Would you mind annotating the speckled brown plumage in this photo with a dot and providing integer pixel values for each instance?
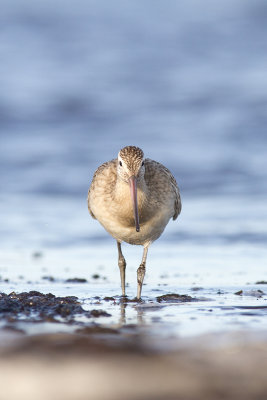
(132, 156)
(109, 200)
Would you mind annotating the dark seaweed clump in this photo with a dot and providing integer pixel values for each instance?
(76, 280)
(34, 306)
(175, 298)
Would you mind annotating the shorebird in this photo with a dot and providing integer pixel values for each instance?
(133, 198)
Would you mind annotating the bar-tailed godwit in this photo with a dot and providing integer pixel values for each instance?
(133, 198)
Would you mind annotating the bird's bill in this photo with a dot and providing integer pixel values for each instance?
(133, 190)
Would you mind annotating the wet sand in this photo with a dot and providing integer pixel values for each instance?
(84, 359)
(95, 366)
(65, 332)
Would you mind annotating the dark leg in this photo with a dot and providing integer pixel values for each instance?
(122, 266)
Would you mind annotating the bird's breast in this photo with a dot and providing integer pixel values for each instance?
(119, 221)
(114, 211)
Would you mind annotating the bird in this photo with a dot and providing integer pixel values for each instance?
(133, 198)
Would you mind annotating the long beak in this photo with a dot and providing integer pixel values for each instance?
(133, 190)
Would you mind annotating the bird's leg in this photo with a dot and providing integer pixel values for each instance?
(122, 266)
(141, 273)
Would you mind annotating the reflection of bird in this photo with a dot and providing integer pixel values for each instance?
(134, 199)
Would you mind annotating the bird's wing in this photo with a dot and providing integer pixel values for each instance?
(97, 175)
(177, 201)
(90, 211)
(150, 170)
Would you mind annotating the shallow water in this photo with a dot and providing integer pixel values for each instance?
(190, 88)
(211, 276)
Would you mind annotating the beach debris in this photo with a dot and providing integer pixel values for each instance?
(37, 254)
(34, 306)
(99, 313)
(107, 298)
(48, 278)
(196, 288)
(254, 293)
(76, 280)
(175, 298)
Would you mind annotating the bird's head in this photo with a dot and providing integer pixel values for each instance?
(131, 169)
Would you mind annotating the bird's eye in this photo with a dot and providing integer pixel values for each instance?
(120, 163)
(143, 163)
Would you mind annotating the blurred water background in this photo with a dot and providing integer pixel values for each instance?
(184, 80)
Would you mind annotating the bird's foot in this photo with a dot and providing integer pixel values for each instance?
(123, 299)
(137, 300)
